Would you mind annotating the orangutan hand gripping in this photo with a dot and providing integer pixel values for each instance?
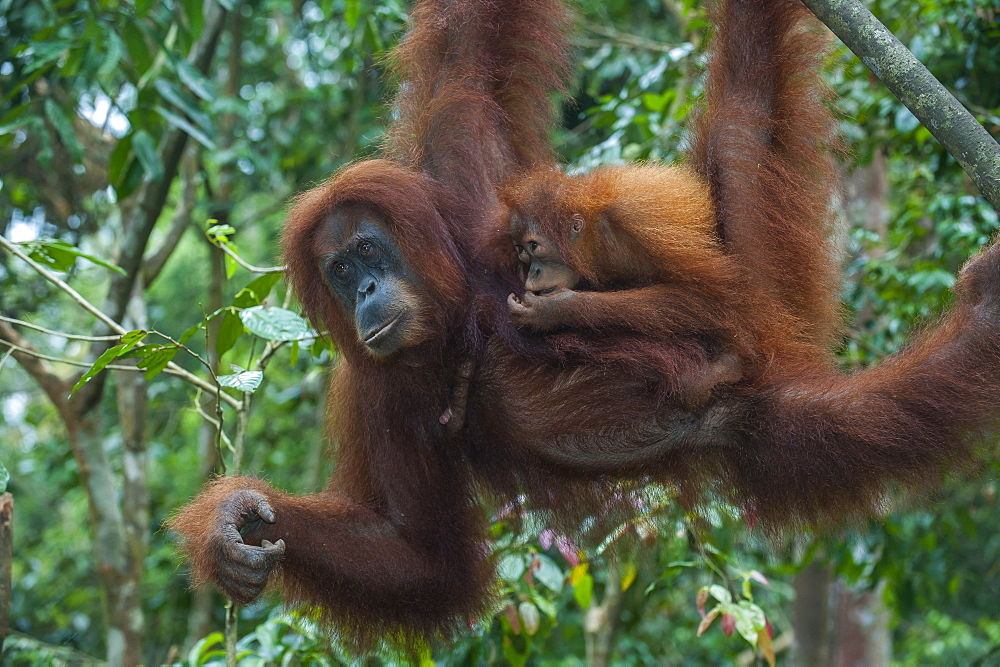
(242, 568)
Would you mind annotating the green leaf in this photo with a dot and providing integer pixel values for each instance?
(274, 323)
(12, 120)
(134, 337)
(230, 330)
(256, 291)
(74, 59)
(749, 620)
(109, 355)
(657, 103)
(119, 160)
(53, 256)
(145, 152)
(263, 285)
(720, 593)
(511, 567)
(157, 360)
(545, 605)
(4, 477)
(62, 256)
(185, 126)
(231, 265)
(319, 345)
(195, 12)
(170, 93)
(219, 233)
(112, 49)
(584, 591)
(352, 12)
(549, 574)
(245, 381)
(138, 49)
(200, 651)
(45, 54)
(194, 80)
(63, 127)
(186, 336)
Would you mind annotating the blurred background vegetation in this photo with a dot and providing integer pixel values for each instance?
(128, 128)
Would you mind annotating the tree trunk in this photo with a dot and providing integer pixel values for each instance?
(115, 569)
(867, 189)
(861, 630)
(810, 620)
(132, 403)
(601, 620)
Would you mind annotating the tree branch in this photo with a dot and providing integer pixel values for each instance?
(171, 368)
(928, 100)
(156, 260)
(60, 334)
(626, 39)
(34, 365)
(247, 265)
(55, 280)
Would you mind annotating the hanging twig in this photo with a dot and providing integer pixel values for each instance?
(248, 265)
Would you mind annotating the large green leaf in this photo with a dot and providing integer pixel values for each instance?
(244, 380)
(276, 324)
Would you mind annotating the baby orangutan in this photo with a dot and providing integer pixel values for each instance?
(622, 265)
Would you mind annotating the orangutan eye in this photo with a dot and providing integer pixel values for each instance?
(366, 249)
(533, 245)
(340, 269)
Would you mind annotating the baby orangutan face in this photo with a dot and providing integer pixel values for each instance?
(547, 276)
(544, 269)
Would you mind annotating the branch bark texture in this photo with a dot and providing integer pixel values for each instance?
(908, 79)
(6, 558)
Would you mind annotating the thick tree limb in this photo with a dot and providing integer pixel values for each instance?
(157, 259)
(928, 100)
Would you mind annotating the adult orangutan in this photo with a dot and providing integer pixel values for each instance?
(382, 257)
(397, 259)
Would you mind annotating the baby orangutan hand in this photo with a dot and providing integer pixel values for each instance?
(541, 312)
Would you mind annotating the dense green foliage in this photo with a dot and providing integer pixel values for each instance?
(90, 92)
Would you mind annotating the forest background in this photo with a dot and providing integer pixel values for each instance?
(147, 151)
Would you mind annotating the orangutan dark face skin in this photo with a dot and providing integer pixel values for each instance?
(370, 278)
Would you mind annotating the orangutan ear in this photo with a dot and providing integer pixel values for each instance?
(576, 225)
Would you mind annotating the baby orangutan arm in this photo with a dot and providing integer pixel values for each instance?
(657, 309)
